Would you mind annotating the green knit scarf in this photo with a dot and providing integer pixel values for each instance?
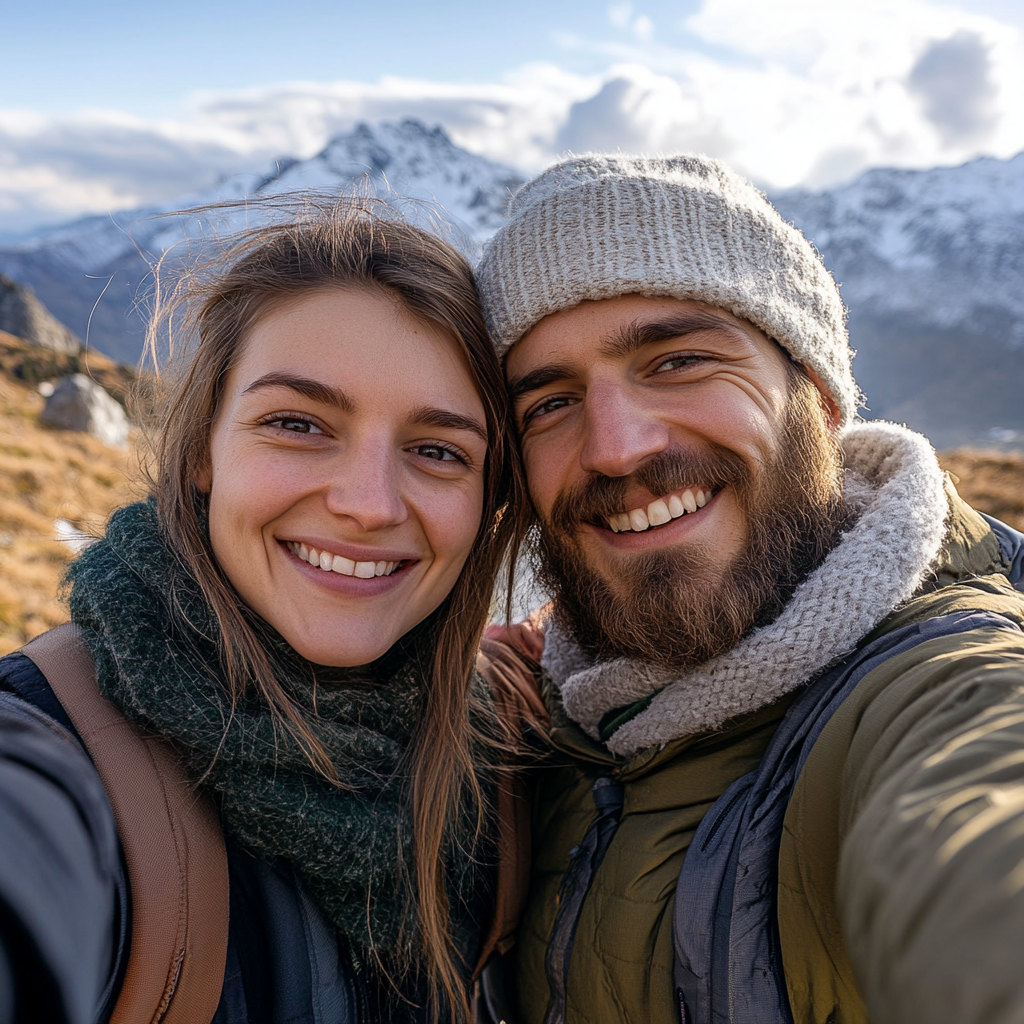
(155, 643)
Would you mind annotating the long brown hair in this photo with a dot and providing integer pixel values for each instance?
(349, 244)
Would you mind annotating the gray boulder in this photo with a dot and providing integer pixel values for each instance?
(23, 315)
(78, 403)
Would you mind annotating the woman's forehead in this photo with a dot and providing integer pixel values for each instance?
(362, 343)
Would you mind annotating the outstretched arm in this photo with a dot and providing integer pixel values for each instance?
(58, 873)
(931, 879)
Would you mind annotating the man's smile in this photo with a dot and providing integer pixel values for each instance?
(660, 511)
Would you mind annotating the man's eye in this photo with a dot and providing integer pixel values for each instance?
(548, 405)
(680, 362)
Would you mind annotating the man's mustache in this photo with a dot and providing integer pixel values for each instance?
(597, 497)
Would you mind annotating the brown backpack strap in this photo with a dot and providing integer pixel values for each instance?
(173, 846)
(510, 674)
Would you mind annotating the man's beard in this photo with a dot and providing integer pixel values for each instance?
(679, 607)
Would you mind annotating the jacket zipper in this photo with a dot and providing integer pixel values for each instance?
(584, 861)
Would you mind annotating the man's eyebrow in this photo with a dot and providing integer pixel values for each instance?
(631, 337)
(623, 342)
(306, 386)
(539, 378)
(431, 417)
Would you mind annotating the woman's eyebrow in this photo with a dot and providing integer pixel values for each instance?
(429, 416)
(313, 389)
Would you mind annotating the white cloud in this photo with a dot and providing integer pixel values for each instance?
(812, 91)
(789, 91)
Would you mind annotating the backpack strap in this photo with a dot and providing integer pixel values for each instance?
(173, 848)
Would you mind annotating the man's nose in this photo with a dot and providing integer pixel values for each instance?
(621, 431)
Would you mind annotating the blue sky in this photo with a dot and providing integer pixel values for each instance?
(112, 105)
(60, 56)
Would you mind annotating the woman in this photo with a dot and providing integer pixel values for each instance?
(295, 610)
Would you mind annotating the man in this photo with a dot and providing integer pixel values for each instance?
(784, 661)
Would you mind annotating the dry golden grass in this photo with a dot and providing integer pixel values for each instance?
(992, 482)
(49, 474)
(44, 475)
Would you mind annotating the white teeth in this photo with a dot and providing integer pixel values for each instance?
(340, 564)
(344, 566)
(638, 520)
(658, 513)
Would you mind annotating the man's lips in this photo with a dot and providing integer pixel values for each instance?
(682, 529)
(660, 511)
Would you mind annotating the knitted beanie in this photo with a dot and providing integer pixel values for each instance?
(687, 227)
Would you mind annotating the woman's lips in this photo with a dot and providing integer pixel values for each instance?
(330, 562)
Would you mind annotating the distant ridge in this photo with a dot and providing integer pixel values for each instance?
(931, 264)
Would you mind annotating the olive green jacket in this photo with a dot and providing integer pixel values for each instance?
(901, 869)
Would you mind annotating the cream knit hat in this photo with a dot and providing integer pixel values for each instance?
(595, 227)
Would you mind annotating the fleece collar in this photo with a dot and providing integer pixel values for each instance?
(895, 487)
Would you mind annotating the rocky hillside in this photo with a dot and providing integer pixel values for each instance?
(45, 476)
(992, 482)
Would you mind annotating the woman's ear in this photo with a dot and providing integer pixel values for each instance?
(830, 407)
(203, 479)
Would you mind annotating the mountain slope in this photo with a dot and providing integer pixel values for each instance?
(93, 274)
(931, 265)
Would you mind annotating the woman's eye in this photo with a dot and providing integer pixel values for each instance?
(438, 453)
(293, 424)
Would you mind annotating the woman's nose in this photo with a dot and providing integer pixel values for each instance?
(366, 487)
(621, 431)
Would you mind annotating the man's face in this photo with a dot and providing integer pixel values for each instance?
(686, 475)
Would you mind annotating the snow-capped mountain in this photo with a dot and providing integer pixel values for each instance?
(419, 170)
(952, 237)
(931, 264)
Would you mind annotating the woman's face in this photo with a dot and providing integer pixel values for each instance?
(346, 473)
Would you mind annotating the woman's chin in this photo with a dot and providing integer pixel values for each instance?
(327, 651)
